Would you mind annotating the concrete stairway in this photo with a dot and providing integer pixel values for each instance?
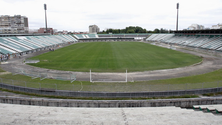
(215, 109)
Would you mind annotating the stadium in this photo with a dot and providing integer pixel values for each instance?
(112, 68)
(132, 78)
(28, 72)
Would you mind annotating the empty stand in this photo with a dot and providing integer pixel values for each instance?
(91, 35)
(20, 44)
(84, 36)
(79, 36)
(209, 42)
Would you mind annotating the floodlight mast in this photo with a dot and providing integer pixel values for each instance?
(177, 16)
(45, 18)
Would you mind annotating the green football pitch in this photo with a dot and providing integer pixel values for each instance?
(114, 57)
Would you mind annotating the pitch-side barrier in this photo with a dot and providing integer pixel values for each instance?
(45, 75)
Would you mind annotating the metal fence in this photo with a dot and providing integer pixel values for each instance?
(41, 91)
(31, 61)
(43, 75)
(113, 87)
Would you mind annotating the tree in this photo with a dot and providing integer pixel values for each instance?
(156, 31)
(133, 29)
(130, 31)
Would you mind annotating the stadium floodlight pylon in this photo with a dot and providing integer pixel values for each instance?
(45, 8)
(177, 16)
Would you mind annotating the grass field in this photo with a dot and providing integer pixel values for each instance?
(114, 57)
(208, 80)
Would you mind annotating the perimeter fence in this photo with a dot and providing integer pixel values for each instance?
(44, 74)
(112, 87)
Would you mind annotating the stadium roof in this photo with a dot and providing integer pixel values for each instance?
(210, 31)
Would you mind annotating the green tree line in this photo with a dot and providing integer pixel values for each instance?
(133, 29)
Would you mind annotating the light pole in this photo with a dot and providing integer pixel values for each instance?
(45, 18)
(177, 16)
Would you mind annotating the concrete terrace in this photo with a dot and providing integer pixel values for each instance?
(26, 115)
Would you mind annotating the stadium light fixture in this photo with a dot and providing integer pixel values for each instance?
(177, 16)
(45, 18)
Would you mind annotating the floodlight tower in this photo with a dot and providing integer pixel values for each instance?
(45, 18)
(177, 16)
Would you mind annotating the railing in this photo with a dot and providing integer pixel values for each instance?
(78, 86)
(52, 92)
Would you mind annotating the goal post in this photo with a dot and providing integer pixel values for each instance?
(126, 75)
(90, 77)
(104, 78)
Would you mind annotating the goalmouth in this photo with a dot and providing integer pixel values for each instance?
(103, 79)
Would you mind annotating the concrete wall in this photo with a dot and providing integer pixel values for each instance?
(108, 94)
(184, 103)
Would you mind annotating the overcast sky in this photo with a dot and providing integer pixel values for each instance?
(77, 15)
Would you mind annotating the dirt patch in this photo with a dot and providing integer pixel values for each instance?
(4, 73)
